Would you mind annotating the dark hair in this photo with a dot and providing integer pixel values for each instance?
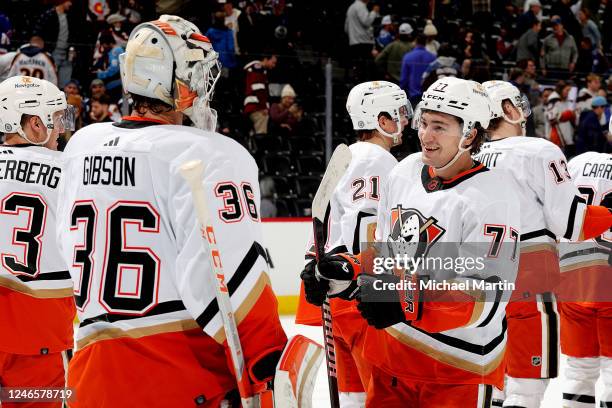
(142, 104)
(515, 73)
(421, 39)
(107, 38)
(522, 64)
(364, 135)
(103, 99)
(24, 119)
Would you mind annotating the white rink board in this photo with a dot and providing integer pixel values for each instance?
(286, 244)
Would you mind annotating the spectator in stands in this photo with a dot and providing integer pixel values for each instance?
(560, 118)
(414, 64)
(32, 60)
(53, 26)
(116, 22)
(386, 34)
(286, 114)
(445, 65)
(389, 61)
(504, 44)
(256, 92)
(222, 39)
(538, 113)
(231, 21)
(529, 17)
(358, 27)
(589, 28)
(107, 68)
(250, 22)
(586, 94)
(559, 52)
(591, 135)
(431, 32)
(72, 87)
(99, 109)
(268, 191)
(528, 46)
(563, 10)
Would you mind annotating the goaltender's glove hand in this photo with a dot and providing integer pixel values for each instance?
(382, 306)
(341, 271)
(315, 289)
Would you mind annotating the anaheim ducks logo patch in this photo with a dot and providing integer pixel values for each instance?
(412, 233)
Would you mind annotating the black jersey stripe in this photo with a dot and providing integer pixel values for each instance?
(356, 237)
(584, 252)
(49, 276)
(572, 216)
(241, 273)
(586, 399)
(536, 234)
(160, 308)
(553, 338)
(477, 349)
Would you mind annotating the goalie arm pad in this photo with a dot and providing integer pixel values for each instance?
(597, 220)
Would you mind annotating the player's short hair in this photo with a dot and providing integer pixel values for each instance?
(24, 119)
(364, 135)
(142, 104)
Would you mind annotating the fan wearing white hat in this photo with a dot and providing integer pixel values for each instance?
(36, 300)
(286, 114)
(389, 60)
(387, 32)
(430, 31)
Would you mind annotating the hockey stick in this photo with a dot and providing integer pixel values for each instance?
(336, 168)
(192, 172)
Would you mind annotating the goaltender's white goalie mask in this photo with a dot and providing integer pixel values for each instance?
(170, 60)
(21, 95)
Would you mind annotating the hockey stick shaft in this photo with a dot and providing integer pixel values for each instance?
(319, 230)
(193, 172)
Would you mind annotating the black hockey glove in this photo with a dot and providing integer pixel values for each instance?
(315, 289)
(381, 308)
(340, 270)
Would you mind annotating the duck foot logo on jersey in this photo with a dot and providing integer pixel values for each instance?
(412, 233)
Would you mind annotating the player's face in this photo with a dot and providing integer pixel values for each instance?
(439, 135)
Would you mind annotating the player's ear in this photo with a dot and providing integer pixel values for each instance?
(470, 138)
(510, 111)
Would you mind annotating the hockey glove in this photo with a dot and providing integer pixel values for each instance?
(383, 304)
(315, 289)
(341, 271)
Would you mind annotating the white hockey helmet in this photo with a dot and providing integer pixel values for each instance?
(464, 99)
(366, 101)
(21, 95)
(498, 92)
(170, 60)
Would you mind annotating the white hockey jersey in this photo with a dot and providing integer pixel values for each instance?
(586, 267)
(33, 61)
(36, 304)
(551, 207)
(129, 230)
(462, 340)
(352, 216)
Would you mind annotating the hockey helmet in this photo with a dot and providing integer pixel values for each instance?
(498, 92)
(21, 95)
(366, 101)
(464, 99)
(170, 60)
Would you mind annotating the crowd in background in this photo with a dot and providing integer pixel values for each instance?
(273, 52)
